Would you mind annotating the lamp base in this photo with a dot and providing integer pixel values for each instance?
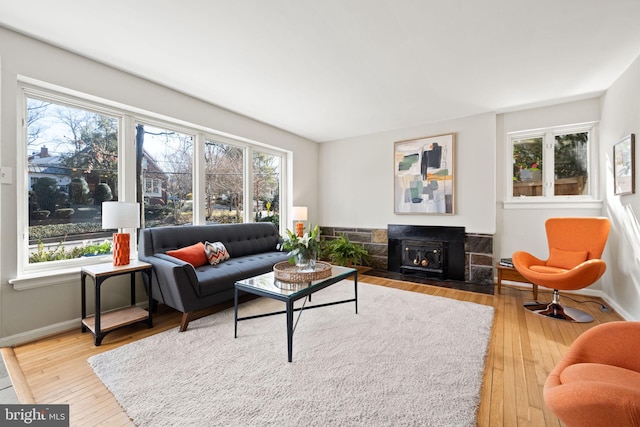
(299, 229)
(121, 248)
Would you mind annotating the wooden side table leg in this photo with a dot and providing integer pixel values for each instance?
(499, 280)
(535, 292)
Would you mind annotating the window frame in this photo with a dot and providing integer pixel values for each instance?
(548, 135)
(33, 275)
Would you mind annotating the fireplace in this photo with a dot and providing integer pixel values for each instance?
(428, 251)
(424, 257)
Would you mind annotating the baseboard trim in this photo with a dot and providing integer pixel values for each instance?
(36, 334)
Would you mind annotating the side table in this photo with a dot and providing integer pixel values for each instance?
(102, 323)
(510, 273)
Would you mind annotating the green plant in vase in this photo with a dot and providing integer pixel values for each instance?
(303, 250)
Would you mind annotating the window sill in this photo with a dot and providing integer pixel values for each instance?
(537, 203)
(51, 277)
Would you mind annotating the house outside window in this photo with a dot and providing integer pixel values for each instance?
(78, 154)
(72, 167)
(552, 164)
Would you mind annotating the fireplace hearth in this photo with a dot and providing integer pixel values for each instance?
(427, 251)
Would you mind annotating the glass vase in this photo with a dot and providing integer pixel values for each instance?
(306, 262)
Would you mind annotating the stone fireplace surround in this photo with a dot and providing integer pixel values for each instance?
(478, 250)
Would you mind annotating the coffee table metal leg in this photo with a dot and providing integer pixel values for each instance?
(290, 330)
(355, 288)
(235, 314)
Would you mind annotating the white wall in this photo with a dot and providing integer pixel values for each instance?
(356, 185)
(22, 312)
(620, 116)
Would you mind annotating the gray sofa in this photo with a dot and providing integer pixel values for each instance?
(252, 248)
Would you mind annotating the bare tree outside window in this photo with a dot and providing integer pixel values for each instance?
(224, 182)
(266, 187)
(166, 159)
(72, 165)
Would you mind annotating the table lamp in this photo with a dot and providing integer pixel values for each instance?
(120, 215)
(299, 214)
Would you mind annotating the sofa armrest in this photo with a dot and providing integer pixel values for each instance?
(176, 280)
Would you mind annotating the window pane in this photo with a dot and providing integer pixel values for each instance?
(266, 188)
(165, 161)
(571, 154)
(72, 164)
(527, 167)
(224, 182)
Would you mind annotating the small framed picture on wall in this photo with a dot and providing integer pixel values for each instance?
(624, 166)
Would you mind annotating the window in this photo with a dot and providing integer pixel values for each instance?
(78, 153)
(552, 163)
(72, 167)
(224, 182)
(166, 159)
(152, 188)
(266, 187)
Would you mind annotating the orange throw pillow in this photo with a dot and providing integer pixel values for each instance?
(193, 254)
(566, 259)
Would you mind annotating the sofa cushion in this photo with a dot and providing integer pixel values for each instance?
(216, 252)
(212, 279)
(239, 239)
(566, 259)
(194, 254)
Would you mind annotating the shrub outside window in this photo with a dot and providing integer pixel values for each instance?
(552, 163)
(72, 167)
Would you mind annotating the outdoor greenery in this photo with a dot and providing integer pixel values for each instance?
(47, 194)
(570, 151)
(570, 155)
(527, 155)
(41, 232)
(342, 251)
(59, 252)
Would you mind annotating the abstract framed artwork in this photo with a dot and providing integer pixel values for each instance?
(424, 172)
(624, 166)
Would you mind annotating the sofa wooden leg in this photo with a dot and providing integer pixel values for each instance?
(186, 318)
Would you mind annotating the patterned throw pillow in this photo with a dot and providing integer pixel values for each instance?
(216, 252)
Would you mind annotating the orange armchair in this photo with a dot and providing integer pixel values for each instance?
(597, 382)
(575, 248)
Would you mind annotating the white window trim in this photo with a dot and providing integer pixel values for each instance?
(57, 272)
(547, 201)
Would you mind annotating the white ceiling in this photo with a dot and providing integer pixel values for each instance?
(332, 69)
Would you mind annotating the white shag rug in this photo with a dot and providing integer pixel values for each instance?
(406, 359)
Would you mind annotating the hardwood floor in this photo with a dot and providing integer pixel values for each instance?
(524, 348)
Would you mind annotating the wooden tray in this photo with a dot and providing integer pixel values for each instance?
(287, 272)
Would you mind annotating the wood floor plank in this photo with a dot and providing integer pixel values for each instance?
(524, 347)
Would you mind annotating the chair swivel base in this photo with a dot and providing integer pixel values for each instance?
(557, 311)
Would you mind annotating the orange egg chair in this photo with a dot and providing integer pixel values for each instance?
(575, 248)
(597, 382)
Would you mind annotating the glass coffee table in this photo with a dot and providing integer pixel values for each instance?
(266, 285)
